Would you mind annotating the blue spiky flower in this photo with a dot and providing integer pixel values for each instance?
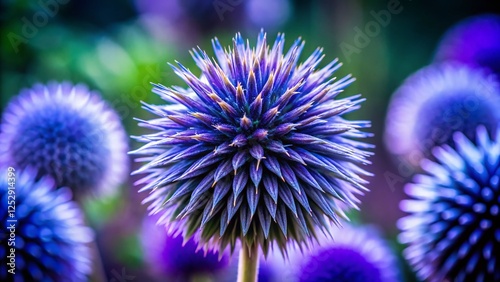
(48, 235)
(67, 132)
(170, 257)
(474, 41)
(453, 229)
(435, 102)
(256, 149)
(356, 254)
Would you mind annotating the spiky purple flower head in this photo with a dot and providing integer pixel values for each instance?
(474, 41)
(67, 132)
(435, 102)
(256, 149)
(169, 256)
(48, 235)
(453, 229)
(356, 254)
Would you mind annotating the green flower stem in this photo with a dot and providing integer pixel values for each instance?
(249, 264)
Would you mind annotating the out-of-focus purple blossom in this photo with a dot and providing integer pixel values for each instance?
(45, 230)
(453, 230)
(435, 102)
(474, 41)
(169, 257)
(353, 254)
(67, 132)
(256, 150)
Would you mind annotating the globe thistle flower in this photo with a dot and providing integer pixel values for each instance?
(453, 229)
(50, 240)
(356, 254)
(67, 132)
(255, 150)
(168, 256)
(435, 102)
(474, 41)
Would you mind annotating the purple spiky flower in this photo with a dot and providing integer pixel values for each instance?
(453, 231)
(474, 41)
(45, 230)
(435, 102)
(356, 254)
(67, 132)
(170, 257)
(256, 149)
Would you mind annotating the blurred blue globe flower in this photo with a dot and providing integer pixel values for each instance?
(169, 257)
(355, 254)
(453, 229)
(435, 102)
(474, 41)
(256, 149)
(67, 132)
(266, 273)
(50, 238)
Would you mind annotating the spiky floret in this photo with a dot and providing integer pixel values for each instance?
(453, 229)
(474, 41)
(67, 132)
(49, 237)
(256, 149)
(356, 254)
(435, 102)
(171, 258)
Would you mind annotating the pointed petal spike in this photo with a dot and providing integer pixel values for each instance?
(271, 185)
(239, 182)
(239, 159)
(272, 164)
(265, 221)
(287, 197)
(271, 206)
(289, 176)
(220, 191)
(245, 219)
(255, 173)
(253, 199)
(281, 218)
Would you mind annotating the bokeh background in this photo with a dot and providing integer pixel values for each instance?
(119, 46)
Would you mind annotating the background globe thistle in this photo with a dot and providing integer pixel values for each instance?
(453, 229)
(356, 254)
(474, 41)
(50, 238)
(66, 132)
(436, 101)
(256, 149)
(169, 257)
